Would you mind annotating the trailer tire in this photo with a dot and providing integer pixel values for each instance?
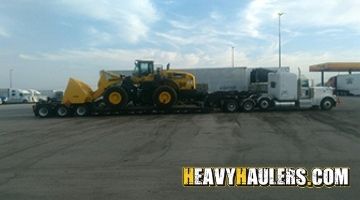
(248, 105)
(265, 104)
(231, 106)
(62, 111)
(116, 97)
(326, 104)
(43, 111)
(164, 97)
(82, 110)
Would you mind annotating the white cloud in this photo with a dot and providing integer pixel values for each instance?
(115, 57)
(252, 17)
(132, 18)
(216, 15)
(301, 14)
(173, 38)
(4, 32)
(99, 37)
(122, 58)
(181, 25)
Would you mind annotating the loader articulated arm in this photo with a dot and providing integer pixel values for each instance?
(106, 79)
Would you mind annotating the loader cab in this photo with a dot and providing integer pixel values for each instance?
(143, 68)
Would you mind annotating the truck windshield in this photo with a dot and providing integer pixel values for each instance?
(304, 83)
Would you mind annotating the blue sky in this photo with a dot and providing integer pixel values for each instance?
(46, 42)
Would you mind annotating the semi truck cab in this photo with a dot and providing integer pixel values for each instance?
(285, 89)
(22, 96)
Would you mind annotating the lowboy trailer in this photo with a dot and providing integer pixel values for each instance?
(150, 92)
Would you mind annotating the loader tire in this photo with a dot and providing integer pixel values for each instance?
(164, 97)
(116, 97)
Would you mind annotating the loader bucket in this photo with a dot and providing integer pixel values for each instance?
(77, 92)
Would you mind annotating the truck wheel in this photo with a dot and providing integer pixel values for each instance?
(62, 111)
(248, 105)
(164, 97)
(43, 111)
(326, 104)
(264, 104)
(116, 97)
(82, 110)
(231, 106)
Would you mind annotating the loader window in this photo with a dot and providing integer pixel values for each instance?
(143, 68)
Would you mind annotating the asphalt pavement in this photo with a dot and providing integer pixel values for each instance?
(141, 156)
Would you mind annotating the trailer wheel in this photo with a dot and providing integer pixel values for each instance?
(326, 104)
(116, 97)
(264, 104)
(82, 110)
(62, 111)
(231, 106)
(248, 105)
(164, 97)
(43, 111)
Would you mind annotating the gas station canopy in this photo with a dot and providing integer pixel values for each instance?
(336, 67)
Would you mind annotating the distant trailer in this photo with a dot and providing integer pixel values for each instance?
(346, 84)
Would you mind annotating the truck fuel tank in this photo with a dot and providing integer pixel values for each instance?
(285, 103)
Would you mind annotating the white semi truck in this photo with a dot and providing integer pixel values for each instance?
(15, 95)
(285, 89)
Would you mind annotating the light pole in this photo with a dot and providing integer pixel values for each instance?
(10, 77)
(232, 56)
(280, 14)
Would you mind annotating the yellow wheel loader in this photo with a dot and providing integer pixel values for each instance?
(150, 86)
(146, 87)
